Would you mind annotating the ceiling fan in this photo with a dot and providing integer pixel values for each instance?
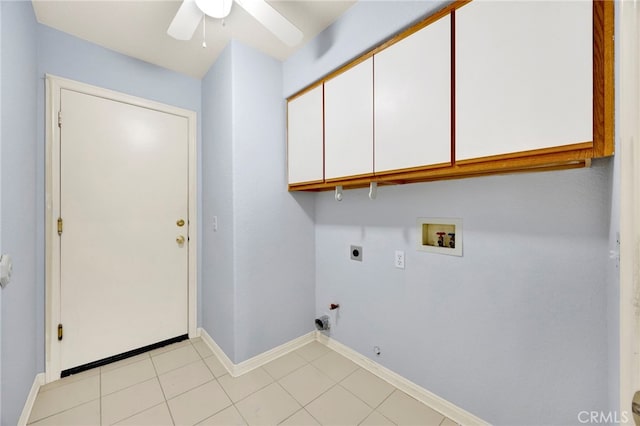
(191, 12)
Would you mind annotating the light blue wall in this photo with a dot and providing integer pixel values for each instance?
(274, 230)
(516, 330)
(218, 279)
(360, 28)
(258, 278)
(66, 56)
(20, 343)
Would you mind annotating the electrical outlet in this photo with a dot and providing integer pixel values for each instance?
(214, 224)
(356, 253)
(399, 259)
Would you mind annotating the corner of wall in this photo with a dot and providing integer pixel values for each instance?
(18, 216)
(267, 219)
(218, 270)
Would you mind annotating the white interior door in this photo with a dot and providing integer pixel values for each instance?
(123, 189)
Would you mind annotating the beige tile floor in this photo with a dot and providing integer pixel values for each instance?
(185, 384)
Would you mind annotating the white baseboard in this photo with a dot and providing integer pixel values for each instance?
(439, 404)
(217, 350)
(31, 399)
(236, 370)
(270, 355)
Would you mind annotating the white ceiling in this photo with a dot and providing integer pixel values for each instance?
(138, 28)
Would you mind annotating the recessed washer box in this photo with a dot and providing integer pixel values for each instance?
(440, 235)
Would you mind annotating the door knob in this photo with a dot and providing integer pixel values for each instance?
(180, 222)
(180, 239)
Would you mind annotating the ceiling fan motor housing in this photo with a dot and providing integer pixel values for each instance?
(215, 8)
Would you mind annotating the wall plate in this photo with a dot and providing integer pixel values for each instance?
(356, 253)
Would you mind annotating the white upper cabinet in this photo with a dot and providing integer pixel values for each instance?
(305, 137)
(413, 100)
(523, 76)
(348, 106)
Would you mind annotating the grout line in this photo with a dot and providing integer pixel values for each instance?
(218, 412)
(233, 404)
(162, 390)
(367, 416)
(76, 379)
(290, 372)
(165, 349)
(322, 393)
(60, 412)
(188, 390)
(354, 394)
(289, 393)
(352, 373)
(293, 414)
(239, 412)
(129, 386)
(116, 369)
(124, 363)
(257, 390)
(183, 365)
(146, 409)
(212, 373)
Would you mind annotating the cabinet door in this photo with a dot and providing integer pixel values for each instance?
(348, 100)
(413, 100)
(305, 137)
(523, 76)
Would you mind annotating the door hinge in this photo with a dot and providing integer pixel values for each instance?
(60, 331)
(59, 226)
(59, 118)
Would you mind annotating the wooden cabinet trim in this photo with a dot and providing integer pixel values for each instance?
(603, 78)
(578, 147)
(305, 90)
(533, 161)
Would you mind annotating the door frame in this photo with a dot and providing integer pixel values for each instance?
(54, 85)
(629, 139)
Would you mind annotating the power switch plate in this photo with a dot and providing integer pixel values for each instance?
(356, 253)
(399, 259)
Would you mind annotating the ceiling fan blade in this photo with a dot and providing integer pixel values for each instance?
(186, 21)
(273, 21)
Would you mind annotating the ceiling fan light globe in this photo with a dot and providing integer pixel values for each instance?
(215, 8)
